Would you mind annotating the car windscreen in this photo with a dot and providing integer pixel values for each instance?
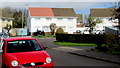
(23, 46)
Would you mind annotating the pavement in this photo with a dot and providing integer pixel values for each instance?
(84, 51)
(98, 55)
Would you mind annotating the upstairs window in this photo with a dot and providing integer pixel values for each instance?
(48, 18)
(9, 20)
(3, 19)
(70, 18)
(59, 18)
(37, 18)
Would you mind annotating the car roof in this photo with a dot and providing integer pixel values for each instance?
(18, 38)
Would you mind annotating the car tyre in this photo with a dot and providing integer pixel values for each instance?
(4, 66)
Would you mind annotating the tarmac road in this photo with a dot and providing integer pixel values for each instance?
(65, 59)
(62, 58)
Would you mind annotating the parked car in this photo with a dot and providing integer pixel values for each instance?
(39, 32)
(78, 31)
(4, 35)
(86, 32)
(25, 52)
(103, 32)
(100, 32)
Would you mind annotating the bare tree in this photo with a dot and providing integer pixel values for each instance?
(52, 28)
(6, 12)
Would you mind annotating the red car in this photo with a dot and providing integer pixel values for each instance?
(24, 52)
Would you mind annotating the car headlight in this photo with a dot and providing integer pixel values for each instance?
(48, 60)
(14, 63)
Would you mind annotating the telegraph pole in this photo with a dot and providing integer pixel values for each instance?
(22, 20)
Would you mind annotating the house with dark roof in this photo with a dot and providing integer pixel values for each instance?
(101, 12)
(105, 14)
(80, 20)
(41, 18)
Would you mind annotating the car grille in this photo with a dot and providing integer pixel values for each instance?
(29, 64)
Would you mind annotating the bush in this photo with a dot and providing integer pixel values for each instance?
(59, 30)
(112, 42)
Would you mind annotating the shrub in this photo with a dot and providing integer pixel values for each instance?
(112, 42)
(59, 30)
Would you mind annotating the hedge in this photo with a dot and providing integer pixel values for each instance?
(80, 38)
(112, 42)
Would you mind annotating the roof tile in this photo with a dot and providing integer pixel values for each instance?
(50, 12)
(36, 11)
(101, 12)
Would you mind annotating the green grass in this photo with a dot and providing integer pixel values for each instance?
(74, 44)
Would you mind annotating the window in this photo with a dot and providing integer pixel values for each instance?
(59, 18)
(9, 20)
(61, 26)
(37, 18)
(48, 18)
(22, 46)
(3, 19)
(70, 18)
(46, 28)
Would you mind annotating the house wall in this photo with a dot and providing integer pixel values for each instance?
(4, 23)
(42, 23)
(0, 25)
(105, 22)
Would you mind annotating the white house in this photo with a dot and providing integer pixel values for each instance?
(41, 18)
(105, 15)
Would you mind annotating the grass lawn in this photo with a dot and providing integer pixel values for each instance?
(74, 44)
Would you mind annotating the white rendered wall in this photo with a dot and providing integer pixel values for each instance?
(70, 25)
(106, 22)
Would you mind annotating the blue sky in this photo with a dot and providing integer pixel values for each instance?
(80, 7)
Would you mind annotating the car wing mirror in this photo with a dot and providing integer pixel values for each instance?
(45, 48)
